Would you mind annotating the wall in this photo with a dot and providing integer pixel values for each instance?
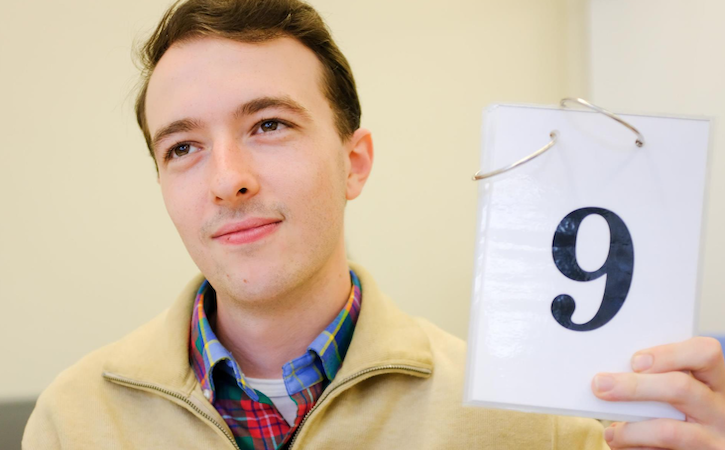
(665, 56)
(87, 252)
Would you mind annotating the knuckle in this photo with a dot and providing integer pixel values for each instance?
(670, 434)
(680, 386)
(635, 390)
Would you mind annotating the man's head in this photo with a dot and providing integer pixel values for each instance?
(254, 21)
(256, 151)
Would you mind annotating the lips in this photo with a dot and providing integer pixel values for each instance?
(246, 231)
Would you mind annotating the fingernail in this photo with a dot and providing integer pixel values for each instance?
(609, 434)
(603, 383)
(642, 362)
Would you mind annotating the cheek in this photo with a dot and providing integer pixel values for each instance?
(328, 193)
(327, 178)
(311, 171)
(313, 189)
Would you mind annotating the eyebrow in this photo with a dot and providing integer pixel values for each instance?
(178, 126)
(245, 109)
(262, 103)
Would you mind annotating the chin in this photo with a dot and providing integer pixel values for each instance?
(254, 282)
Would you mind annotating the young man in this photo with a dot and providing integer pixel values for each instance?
(251, 115)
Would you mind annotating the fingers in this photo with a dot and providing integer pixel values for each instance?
(660, 376)
(676, 388)
(700, 355)
(609, 437)
(662, 433)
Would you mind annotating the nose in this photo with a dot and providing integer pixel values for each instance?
(233, 177)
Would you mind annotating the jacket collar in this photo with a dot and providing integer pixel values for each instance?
(158, 352)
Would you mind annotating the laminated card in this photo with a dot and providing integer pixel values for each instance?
(584, 255)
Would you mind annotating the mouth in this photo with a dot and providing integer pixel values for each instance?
(246, 231)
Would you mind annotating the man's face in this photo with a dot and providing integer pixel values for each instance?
(252, 170)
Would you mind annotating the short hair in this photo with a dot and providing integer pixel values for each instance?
(254, 21)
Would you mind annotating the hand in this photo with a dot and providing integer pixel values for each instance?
(690, 376)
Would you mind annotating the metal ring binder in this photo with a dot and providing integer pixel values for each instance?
(480, 176)
(554, 135)
(640, 139)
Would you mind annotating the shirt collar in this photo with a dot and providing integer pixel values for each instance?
(321, 362)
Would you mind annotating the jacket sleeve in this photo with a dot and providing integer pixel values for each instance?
(578, 433)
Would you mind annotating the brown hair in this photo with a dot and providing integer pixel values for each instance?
(255, 21)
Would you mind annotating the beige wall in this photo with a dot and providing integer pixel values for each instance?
(666, 56)
(86, 250)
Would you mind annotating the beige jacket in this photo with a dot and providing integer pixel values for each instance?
(400, 387)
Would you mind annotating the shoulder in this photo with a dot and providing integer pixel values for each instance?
(443, 342)
(80, 392)
(449, 355)
(81, 401)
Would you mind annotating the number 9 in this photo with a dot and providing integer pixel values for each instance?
(618, 268)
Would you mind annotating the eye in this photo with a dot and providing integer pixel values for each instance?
(269, 125)
(179, 150)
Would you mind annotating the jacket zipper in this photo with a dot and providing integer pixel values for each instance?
(176, 395)
(348, 380)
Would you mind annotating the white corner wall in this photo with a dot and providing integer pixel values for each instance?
(666, 56)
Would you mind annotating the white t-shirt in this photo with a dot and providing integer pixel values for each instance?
(277, 392)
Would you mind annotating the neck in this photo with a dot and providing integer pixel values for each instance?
(263, 339)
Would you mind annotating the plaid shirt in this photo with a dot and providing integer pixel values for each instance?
(251, 415)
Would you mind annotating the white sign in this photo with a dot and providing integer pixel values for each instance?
(584, 255)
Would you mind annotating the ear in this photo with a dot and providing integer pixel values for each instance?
(359, 161)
